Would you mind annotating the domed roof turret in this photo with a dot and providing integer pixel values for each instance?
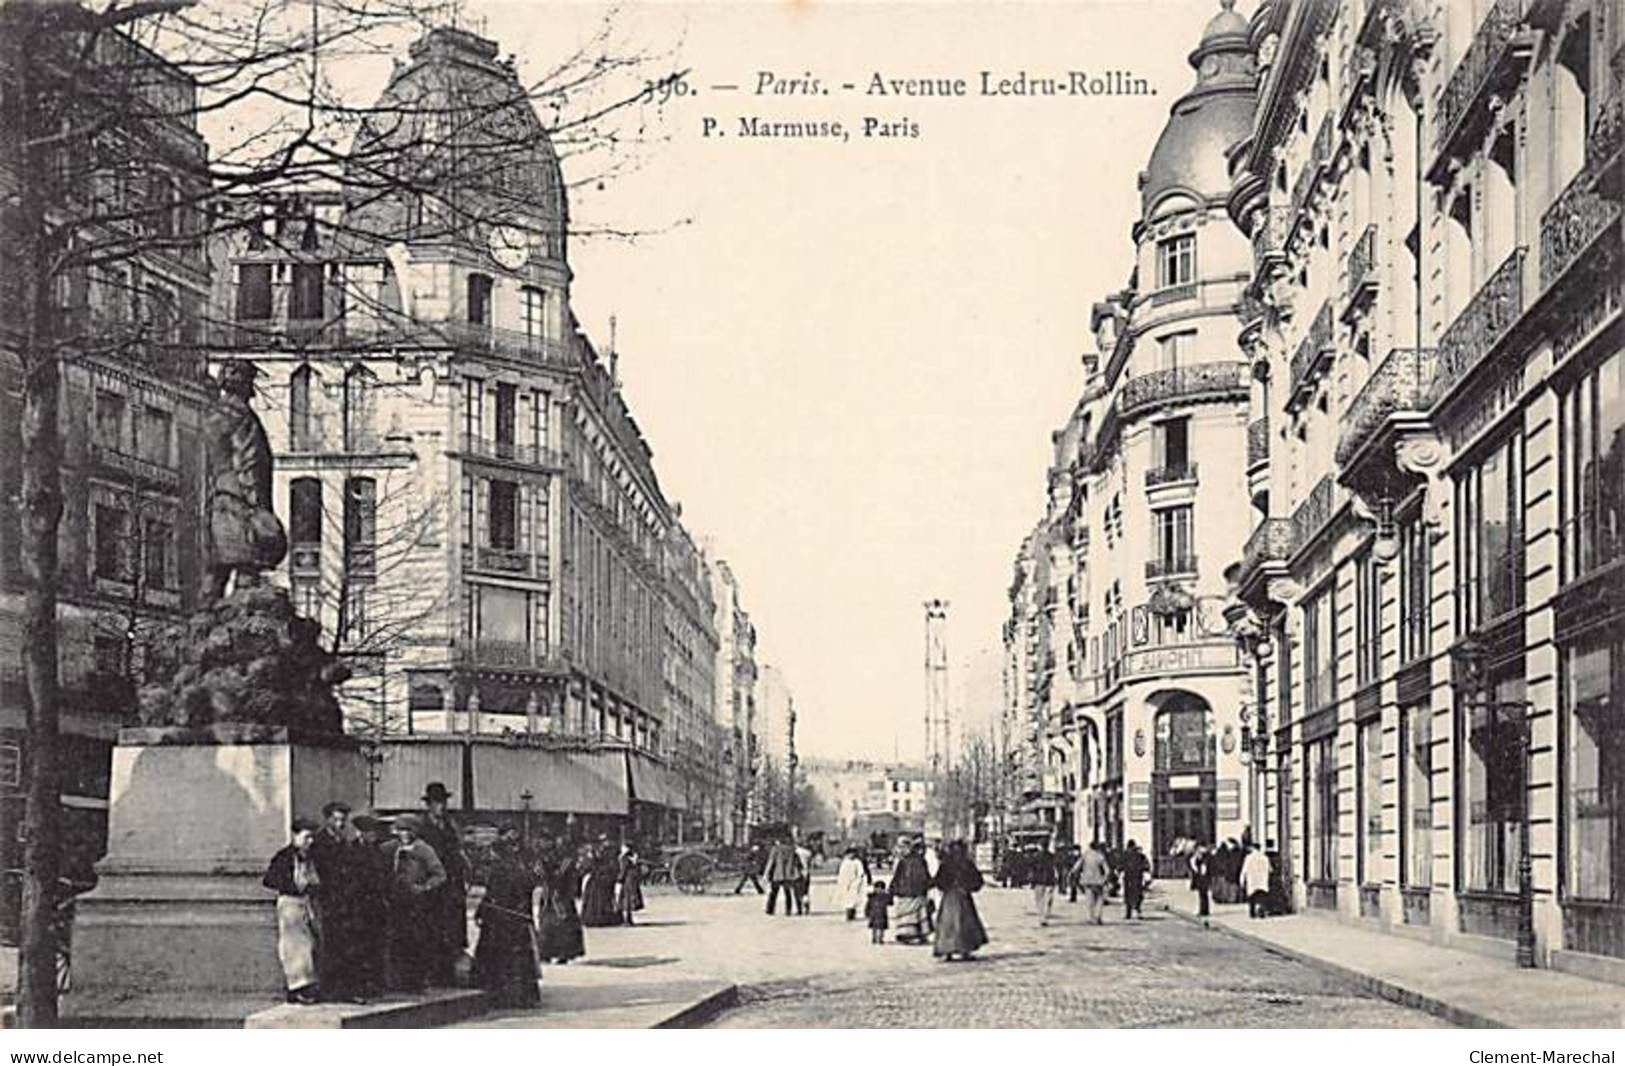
(455, 130)
(1215, 114)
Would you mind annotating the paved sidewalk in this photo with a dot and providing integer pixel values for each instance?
(1460, 986)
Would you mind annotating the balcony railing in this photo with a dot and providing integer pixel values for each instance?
(1271, 542)
(1170, 475)
(502, 560)
(508, 653)
(363, 332)
(1491, 59)
(514, 452)
(1314, 351)
(1313, 513)
(1400, 383)
(1481, 325)
(1173, 294)
(305, 558)
(1182, 383)
(1258, 441)
(1173, 566)
(1572, 225)
(153, 473)
(1363, 267)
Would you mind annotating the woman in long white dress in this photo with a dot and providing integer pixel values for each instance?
(851, 884)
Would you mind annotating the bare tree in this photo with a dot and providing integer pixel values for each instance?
(107, 173)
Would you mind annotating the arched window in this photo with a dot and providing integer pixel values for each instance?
(359, 432)
(1185, 739)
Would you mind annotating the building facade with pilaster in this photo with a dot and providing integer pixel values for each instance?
(1431, 595)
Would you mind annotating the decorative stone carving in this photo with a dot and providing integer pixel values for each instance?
(1284, 590)
(1424, 454)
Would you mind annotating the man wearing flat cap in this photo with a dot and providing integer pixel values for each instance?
(449, 908)
(416, 881)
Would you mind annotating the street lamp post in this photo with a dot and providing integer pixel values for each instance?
(1471, 656)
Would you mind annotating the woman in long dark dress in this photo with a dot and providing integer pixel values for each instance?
(959, 928)
(598, 892)
(561, 936)
(505, 958)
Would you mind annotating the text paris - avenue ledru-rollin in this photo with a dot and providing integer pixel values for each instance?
(1022, 83)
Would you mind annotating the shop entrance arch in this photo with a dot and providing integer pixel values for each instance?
(1184, 793)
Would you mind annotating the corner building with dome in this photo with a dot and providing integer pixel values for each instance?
(473, 512)
(1127, 703)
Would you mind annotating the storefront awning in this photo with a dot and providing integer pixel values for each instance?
(567, 782)
(408, 766)
(655, 783)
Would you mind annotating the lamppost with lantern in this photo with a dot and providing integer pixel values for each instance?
(1471, 656)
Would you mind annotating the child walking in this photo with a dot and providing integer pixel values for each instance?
(875, 909)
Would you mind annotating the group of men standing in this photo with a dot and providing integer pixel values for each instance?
(1089, 871)
(360, 911)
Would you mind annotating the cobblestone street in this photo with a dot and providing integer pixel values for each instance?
(820, 971)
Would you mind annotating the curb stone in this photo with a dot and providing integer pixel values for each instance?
(1386, 989)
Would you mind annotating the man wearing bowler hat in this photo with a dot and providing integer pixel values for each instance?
(448, 909)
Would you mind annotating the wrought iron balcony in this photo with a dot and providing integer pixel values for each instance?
(1491, 62)
(350, 332)
(1170, 475)
(514, 452)
(1400, 383)
(1258, 441)
(1314, 512)
(1571, 226)
(1271, 542)
(1481, 325)
(1313, 354)
(1183, 383)
(146, 471)
(1172, 566)
(1362, 270)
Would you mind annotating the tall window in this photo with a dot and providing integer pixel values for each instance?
(504, 517)
(157, 539)
(360, 524)
(479, 299)
(360, 434)
(305, 301)
(1493, 789)
(1595, 769)
(1170, 445)
(1416, 795)
(533, 308)
(152, 438)
(1176, 349)
(1319, 650)
(305, 511)
(1367, 619)
(1320, 810)
(473, 412)
(1489, 536)
(301, 420)
(1176, 261)
(1368, 756)
(112, 542)
(1415, 591)
(507, 402)
(254, 292)
(1172, 526)
(110, 420)
(538, 419)
(1185, 738)
(1593, 434)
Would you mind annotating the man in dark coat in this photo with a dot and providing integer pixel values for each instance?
(448, 908)
(783, 874)
(336, 852)
(371, 870)
(1135, 868)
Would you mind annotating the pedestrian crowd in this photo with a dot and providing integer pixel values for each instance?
(367, 905)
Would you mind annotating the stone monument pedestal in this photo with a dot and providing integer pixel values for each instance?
(195, 815)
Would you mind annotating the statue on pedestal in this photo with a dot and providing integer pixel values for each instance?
(245, 656)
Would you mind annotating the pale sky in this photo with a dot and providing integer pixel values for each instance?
(850, 363)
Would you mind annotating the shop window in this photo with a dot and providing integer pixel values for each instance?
(1489, 537)
(1320, 811)
(1494, 733)
(1416, 795)
(1185, 738)
(1368, 757)
(1595, 770)
(1593, 452)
